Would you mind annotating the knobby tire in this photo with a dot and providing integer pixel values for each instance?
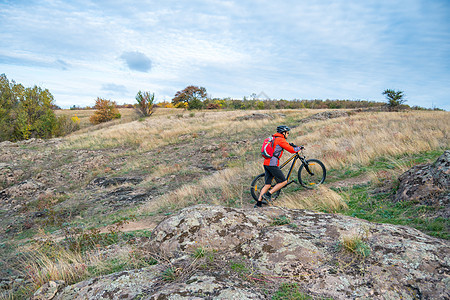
(308, 180)
(258, 183)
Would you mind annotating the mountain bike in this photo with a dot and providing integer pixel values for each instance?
(311, 173)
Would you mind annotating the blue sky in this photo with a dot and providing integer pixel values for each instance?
(347, 49)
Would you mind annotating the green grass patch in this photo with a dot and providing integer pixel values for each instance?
(290, 291)
(239, 267)
(280, 220)
(380, 208)
(169, 274)
(128, 236)
(365, 202)
(26, 234)
(334, 175)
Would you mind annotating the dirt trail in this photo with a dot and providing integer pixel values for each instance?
(362, 179)
(148, 223)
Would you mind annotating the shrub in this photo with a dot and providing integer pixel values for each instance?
(195, 103)
(106, 111)
(213, 106)
(26, 112)
(181, 105)
(67, 125)
(145, 102)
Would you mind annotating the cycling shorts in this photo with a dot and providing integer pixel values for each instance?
(273, 172)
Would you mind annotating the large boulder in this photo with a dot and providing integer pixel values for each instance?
(276, 245)
(146, 283)
(427, 184)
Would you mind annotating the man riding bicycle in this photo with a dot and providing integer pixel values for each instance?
(271, 165)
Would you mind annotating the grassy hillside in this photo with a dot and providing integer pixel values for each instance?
(176, 158)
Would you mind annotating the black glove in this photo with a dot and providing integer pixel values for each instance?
(294, 145)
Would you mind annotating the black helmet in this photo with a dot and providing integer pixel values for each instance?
(282, 128)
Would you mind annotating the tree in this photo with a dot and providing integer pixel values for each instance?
(25, 112)
(35, 117)
(145, 102)
(106, 111)
(28, 113)
(191, 96)
(9, 99)
(394, 98)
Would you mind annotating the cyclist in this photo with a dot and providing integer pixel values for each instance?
(271, 165)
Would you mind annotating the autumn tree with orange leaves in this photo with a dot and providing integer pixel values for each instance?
(191, 97)
(106, 111)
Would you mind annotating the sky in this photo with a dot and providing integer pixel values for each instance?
(315, 49)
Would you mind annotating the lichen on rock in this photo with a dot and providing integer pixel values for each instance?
(403, 262)
(427, 184)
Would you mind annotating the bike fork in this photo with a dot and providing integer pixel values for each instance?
(307, 168)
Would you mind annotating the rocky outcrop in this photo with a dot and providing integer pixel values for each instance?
(325, 115)
(251, 252)
(107, 182)
(260, 116)
(49, 290)
(427, 184)
(147, 284)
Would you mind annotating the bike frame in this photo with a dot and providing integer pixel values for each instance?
(294, 158)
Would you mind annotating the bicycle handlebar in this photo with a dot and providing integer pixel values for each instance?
(300, 152)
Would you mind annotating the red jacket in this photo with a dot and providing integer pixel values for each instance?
(279, 145)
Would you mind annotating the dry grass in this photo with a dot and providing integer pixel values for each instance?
(40, 267)
(219, 188)
(165, 127)
(378, 177)
(49, 261)
(356, 243)
(321, 198)
(357, 139)
(128, 115)
(362, 137)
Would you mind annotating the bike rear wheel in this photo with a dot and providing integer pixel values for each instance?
(315, 176)
(258, 183)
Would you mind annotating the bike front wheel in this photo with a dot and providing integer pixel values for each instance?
(312, 174)
(258, 183)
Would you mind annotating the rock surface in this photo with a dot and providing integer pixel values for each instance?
(49, 290)
(427, 184)
(250, 255)
(325, 115)
(255, 116)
